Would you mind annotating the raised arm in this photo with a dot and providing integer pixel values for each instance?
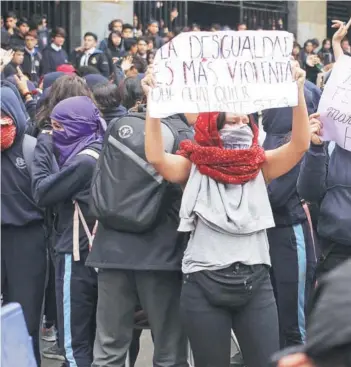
(338, 36)
(311, 184)
(174, 168)
(281, 160)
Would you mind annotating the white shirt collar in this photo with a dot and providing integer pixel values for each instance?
(55, 47)
(90, 52)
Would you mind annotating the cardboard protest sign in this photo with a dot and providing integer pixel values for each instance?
(335, 104)
(226, 71)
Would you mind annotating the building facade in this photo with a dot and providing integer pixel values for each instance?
(306, 19)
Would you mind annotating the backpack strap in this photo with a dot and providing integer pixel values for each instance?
(78, 215)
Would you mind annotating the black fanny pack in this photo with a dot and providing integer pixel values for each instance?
(232, 286)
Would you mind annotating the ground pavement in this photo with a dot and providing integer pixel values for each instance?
(144, 357)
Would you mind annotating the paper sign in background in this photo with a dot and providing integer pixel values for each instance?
(228, 71)
(335, 104)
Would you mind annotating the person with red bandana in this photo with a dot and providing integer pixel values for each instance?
(225, 206)
(23, 235)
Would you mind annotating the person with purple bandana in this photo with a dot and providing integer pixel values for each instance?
(76, 140)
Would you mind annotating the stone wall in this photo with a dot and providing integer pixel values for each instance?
(95, 15)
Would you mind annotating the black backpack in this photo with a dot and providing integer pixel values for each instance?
(127, 192)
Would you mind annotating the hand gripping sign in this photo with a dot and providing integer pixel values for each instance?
(226, 71)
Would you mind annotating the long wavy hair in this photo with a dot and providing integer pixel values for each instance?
(64, 87)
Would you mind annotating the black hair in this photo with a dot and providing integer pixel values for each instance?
(140, 64)
(18, 48)
(22, 21)
(143, 39)
(216, 26)
(315, 42)
(131, 92)
(220, 121)
(107, 95)
(325, 41)
(129, 43)
(58, 32)
(109, 39)
(64, 87)
(127, 26)
(35, 21)
(110, 25)
(91, 34)
(11, 14)
(195, 25)
(86, 70)
(149, 53)
(152, 21)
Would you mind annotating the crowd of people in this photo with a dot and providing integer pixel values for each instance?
(229, 249)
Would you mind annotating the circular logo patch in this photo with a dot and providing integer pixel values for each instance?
(20, 163)
(125, 131)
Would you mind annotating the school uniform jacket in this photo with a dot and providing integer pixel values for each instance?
(97, 59)
(58, 189)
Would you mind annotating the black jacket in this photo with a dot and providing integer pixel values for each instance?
(98, 60)
(32, 65)
(58, 189)
(161, 248)
(17, 40)
(52, 59)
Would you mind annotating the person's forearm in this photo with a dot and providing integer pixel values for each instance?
(300, 135)
(337, 50)
(154, 149)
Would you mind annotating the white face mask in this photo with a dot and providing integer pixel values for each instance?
(236, 136)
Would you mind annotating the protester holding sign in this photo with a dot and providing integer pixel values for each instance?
(239, 72)
(328, 181)
(225, 206)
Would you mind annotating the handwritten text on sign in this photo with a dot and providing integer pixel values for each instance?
(335, 103)
(240, 72)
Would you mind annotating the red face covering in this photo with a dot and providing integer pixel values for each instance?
(8, 132)
(228, 166)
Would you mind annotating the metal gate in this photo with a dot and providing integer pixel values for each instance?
(263, 14)
(160, 11)
(57, 12)
(340, 10)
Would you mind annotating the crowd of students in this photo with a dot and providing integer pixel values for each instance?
(232, 249)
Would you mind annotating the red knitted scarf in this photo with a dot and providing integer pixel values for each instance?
(228, 166)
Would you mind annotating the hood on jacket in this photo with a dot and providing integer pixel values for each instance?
(279, 120)
(113, 113)
(11, 106)
(94, 79)
(50, 78)
(7, 83)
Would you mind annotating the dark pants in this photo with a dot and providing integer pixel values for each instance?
(255, 325)
(50, 311)
(159, 295)
(76, 296)
(293, 266)
(332, 256)
(23, 272)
